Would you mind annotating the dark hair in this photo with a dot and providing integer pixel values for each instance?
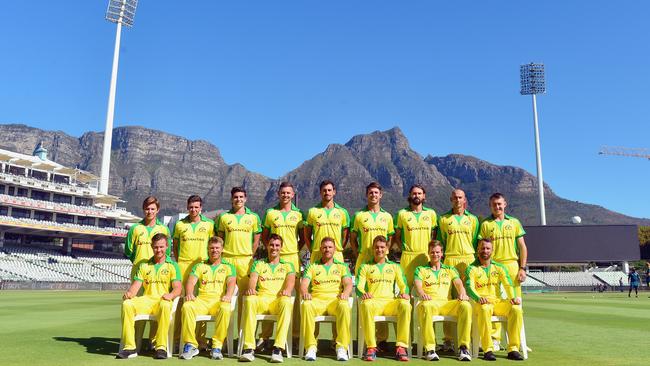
(328, 238)
(417, 185)
(373, 185)
(158, 237)
(237, 189)
(379, 238)
(484, 240)
(195, 198)
(435, 243)
(326, 182)
(275, 237)
(286, 184)
(496, 196)
(150, 200)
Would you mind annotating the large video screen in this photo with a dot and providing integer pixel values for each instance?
(582, 243)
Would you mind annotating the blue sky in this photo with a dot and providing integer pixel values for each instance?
(294, 76)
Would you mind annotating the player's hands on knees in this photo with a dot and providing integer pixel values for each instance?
(405, 296)
(516, 301)
(250, 292)
(168, 296)
(425, 297)
(306, 296)
(366, 296)
(190, 297)
(286, 293)
(343, 296)
(521, 276)
(127, 295)
(226, 298)
(463, 297)
(483, 301)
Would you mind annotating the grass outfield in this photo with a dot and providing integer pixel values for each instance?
(82, 328)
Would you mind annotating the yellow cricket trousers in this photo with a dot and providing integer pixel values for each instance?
(275, 305)
(427, 309)
(399, 307)
(153, 305)
(206, 306)
(330, 306)
(500, 308)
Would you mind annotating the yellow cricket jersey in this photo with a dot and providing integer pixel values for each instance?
(138, 241)
(157, 278)
(193, 238)
(326, 222)
(271, 277)
(286, 224)
(504, 235)
(416, 228)
(326, 280)
(238, 231)
(437, 283)
(486, 281)
(369, 225)
(212, 279)
(458, 234)
(380, 280)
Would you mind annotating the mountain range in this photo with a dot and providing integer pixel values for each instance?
(146, 161)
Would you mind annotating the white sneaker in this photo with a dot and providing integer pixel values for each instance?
(310, 355)
(342, 354)
(464, 355)
(247, 356)
(431, 356)
(496, 345)
(276, 355)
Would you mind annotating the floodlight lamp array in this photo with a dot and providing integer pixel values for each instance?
(532, 79)
(121, 11)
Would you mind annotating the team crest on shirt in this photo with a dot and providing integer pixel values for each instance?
(281, 269)
(464, 221)
(507, 227)
(336, 272)
(221, 270)
(382, 220)
(164, 272)
(336, 215)
(202, 229)
(248, 221)
(388, 270)
(293, 219)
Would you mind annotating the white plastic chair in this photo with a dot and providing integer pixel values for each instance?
(139, 328)
(476, 335)
(274, 319)
(417, 334)
(361, 342)
(324, 319)
(231, 328)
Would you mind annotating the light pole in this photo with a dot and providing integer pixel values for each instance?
(533, 83)
(120, 12)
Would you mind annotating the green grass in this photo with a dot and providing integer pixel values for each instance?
(82, 328)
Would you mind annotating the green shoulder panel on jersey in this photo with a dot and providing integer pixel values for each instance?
(266, 214)
(128, 244)
(417, 272)
(347, 215)
(468, 283)
(233, 271)
(305, 272)
(194, 268)
(254, 266)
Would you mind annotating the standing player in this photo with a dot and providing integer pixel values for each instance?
(161, 279)
(375, 285)
(484, 280)
(138, 241)
(368, 224)
(433, 285)
(287, 221)
(269, 292)
(507, 236)
(414, 228)
(326, 219)
(216, 279)
(325, 288)
(240, 229)
(634, 280)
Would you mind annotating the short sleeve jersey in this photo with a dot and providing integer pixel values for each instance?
(486, 281)
(138, 240)
(436, 283)
(634, 278)
(271, 277)
(213, 279)
(326, 222)
(369, 225)
(286, 224)
(504, 235)
(157, 278)
(458, 233)
(193, 238)
(380, 280)
(239, 231)
(325, 280)
(416, 228)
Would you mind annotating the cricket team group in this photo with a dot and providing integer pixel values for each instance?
(451, 264)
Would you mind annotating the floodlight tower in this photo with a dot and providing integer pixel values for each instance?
(533, 83)
(120, 12)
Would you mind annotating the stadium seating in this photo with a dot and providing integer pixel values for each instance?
(568, 279)
(611, 278)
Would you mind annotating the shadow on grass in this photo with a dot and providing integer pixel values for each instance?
(96, 345)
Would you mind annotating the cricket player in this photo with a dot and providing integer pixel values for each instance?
(368, 223)
(137, 246)
(325, 289)
(414, 228)
(240, 228)
(507, 236)
(161, 279)
(433, 285)
(191, 235)
(327, 219)
(484, 280)
(217, 280)
(269, 292)
(375, 286)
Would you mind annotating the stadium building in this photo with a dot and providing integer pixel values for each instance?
(55, 225)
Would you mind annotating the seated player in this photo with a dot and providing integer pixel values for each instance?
(433, 286)
(325, 288)
(161, 279)
(217, 280)
(269, 292)
(483, 284)
(376, 281)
